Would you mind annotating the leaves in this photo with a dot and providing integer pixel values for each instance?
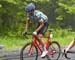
(69, 9)
(13, 15)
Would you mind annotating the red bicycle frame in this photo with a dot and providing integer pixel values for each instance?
(47, 43)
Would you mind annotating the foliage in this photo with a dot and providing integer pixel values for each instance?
(66, 13)
(61, 14)
(17, 42)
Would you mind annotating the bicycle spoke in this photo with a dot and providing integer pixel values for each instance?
(54, 50)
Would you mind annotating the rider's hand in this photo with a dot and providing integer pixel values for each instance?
(34, 33)
(24, 33)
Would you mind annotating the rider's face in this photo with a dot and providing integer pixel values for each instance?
(31, 12)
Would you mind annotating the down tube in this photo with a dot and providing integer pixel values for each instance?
(36, 44)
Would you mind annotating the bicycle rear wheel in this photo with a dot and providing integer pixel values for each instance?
(28, 53)
(54, 51)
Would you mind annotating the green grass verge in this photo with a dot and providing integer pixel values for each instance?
(13, 42)
(17, 42)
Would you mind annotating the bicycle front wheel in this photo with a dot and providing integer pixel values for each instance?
(29, 52)
(54, 51)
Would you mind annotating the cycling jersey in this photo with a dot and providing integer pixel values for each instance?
(37, 16)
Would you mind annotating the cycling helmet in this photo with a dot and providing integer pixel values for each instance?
(29, 7)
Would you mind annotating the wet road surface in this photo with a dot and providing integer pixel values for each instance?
(15, 55)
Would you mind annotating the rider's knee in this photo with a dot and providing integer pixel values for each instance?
(40, 36)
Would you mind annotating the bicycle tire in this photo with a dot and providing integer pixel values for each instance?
(70, 53)
(24, 56)
(54, 46)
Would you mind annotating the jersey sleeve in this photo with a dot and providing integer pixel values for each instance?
(41, 16)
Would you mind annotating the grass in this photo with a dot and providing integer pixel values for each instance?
(17, 42)
(64, 37)
(13, 42)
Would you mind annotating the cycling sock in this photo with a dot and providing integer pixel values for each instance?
(45, 48)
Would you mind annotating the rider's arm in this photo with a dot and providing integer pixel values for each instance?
(27, 24)
(41, 22)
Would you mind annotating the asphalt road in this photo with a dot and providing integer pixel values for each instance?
(14, 55)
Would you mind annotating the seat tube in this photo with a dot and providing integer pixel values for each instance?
(48, 41)
(47, 44)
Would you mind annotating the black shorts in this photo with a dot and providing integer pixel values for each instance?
(43, 29)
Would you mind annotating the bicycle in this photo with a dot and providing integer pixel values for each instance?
(70, 54)
(34, 49)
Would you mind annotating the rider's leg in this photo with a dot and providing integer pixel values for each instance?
(40, 36)
(72, 44)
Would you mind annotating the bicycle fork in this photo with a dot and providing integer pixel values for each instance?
(31, 49)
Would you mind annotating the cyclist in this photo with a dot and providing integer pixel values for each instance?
(37, 17)
(72, 44)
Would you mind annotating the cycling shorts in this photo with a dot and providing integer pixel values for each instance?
(43, 29)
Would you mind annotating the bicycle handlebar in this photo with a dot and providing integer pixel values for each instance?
(71, 52)
(27, 34)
